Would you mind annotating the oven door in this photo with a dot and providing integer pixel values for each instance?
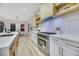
(43, 45)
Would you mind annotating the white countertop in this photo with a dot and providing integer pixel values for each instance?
(7, 41)
(69, 37)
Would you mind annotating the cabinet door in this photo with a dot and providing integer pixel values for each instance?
(46, 10)
(55, 50)
(70, 52)
(35, 37)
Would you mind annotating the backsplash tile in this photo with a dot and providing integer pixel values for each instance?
(71, 23)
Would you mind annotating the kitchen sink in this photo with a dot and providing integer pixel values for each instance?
(5, 35)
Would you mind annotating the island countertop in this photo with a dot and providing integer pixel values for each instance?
(7, 41)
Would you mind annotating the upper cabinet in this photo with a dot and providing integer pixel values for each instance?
(53, 9)
(57, 9)
(46, 10)
(65, 8)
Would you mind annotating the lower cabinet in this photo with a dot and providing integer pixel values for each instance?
(70, 52)
(55, 50)
(61, 47)
(34, 37)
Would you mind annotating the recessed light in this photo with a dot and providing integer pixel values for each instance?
(24, 9)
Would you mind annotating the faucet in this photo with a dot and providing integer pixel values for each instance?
(58, 29)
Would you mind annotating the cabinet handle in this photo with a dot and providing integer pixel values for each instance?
(59, 50)
(55, 40)
(72, 45)
(62, 51)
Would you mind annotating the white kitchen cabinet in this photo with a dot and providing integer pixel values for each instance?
(71, 49)
(70, 52)
(62, 47)
(34, 37)
(55, 48)
(46, 10)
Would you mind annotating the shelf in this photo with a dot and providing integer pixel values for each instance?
(38, 21)
(69, 10)
(59, 5)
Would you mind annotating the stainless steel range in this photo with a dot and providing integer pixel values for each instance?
(43, 42)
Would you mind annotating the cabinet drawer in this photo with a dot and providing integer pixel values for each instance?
(72, 44)
(58, 41)
(65, 42)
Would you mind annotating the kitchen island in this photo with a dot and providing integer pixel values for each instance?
(8, 44)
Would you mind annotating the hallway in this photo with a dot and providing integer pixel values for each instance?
(27, 47)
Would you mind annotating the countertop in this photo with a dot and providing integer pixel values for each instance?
(7, 41)
(70, 37)
(45, 34)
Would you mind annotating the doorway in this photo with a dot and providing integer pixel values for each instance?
(13, 27)
(22, 28)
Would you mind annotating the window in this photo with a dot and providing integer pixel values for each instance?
(13, 27)
(1, 26)
(22, 27)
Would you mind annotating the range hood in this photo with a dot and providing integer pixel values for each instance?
(49, 18)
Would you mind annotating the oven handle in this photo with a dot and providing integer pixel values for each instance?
(42, 39)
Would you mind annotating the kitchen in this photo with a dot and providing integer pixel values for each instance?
(52, 29)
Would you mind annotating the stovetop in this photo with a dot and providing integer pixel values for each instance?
(49, 33)
(46, 33)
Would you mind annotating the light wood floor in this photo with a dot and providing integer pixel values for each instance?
(27, 47)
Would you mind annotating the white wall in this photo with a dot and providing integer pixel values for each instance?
(45, 27)
(71, 23)
(50, 26)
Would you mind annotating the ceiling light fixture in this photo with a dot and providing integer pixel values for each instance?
(24, 9)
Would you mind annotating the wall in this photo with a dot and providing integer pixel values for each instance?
(44, 27)
(71, 23)
(50, 25)
(8, 22)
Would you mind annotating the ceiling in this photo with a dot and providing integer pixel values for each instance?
(24, 11)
